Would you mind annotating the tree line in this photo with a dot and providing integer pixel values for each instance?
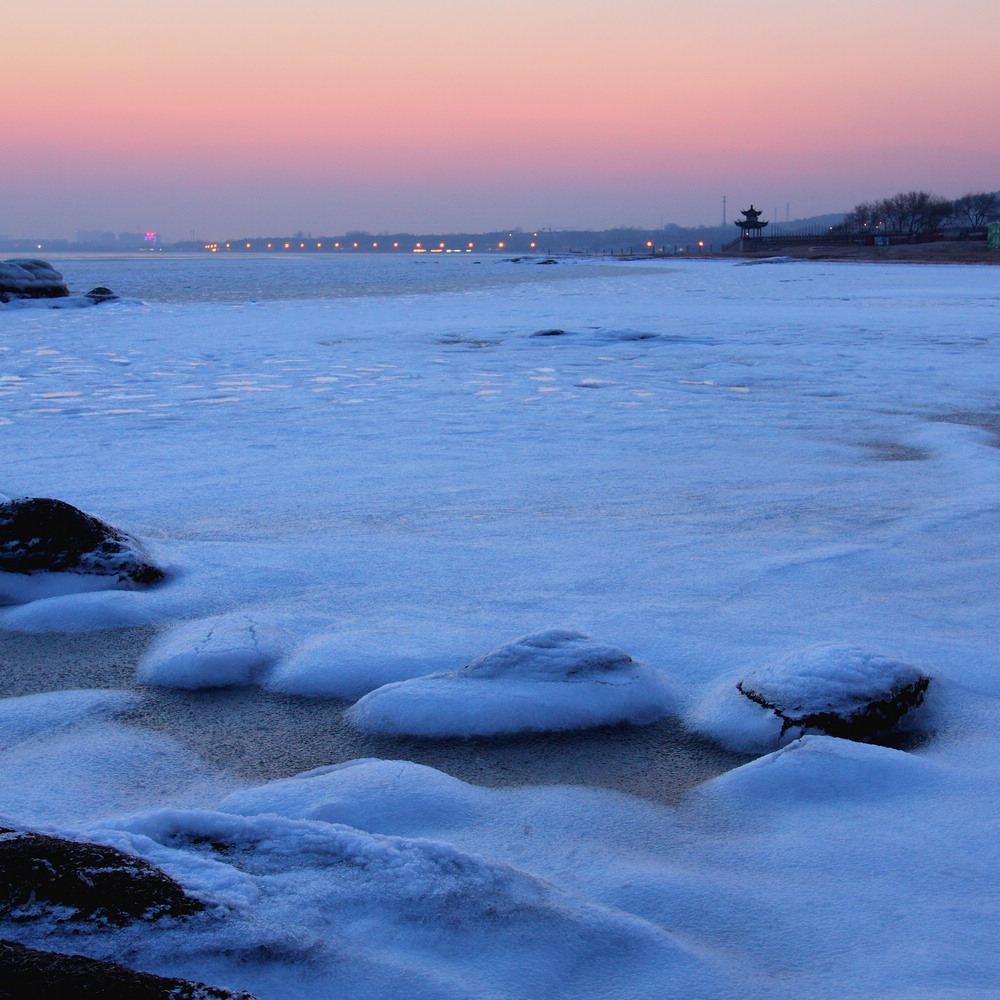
(916, 212)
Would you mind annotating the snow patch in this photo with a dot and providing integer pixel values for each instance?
(23, 588)
(349, 666)
(822, 769)
(380, 796)
(32, 714)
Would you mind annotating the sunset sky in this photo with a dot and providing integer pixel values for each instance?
(226, 118)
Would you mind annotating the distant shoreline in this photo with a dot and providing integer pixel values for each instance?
(939, 252)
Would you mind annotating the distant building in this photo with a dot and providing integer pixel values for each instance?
(95, 237)
(751, 228)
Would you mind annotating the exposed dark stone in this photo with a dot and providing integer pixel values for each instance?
(631, 335)
(548, 333)
(25, 278)
(42, 535)
(47, 975)
(863, 724)
(101, 294)
(72, 880)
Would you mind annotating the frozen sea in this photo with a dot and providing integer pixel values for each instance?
(363, 473)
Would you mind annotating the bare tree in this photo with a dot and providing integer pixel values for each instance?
(977, 209)
(914, 212)
(863, 214)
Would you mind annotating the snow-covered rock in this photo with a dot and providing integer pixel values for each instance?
(33, 972)
(25, 282)
(45, 876)
(340, 902)
(837, 690)
(223, 651)
(50, 547)
(24, 278)
(553, 680)
(101, 294)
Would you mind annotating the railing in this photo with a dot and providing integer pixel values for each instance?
(820, 236)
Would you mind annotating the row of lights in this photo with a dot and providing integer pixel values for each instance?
(419, 248)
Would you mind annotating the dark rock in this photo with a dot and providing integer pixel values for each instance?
(23, 278)
(842, 691)
(42, 535)
(548, 333)
(630, 335)
(72, 880)
(47, 975)
(101, 294)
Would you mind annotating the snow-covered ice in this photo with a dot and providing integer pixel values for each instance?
(360, 489)
(67, 759)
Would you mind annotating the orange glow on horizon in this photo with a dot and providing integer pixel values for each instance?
(410, 105)
(685, 98)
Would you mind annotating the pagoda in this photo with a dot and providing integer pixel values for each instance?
(751, 228)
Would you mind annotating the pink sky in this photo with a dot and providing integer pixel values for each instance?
(268, 116)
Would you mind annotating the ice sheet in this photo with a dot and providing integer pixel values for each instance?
(712, 468)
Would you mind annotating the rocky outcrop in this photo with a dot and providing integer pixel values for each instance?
(842, 691)
(38, 535)
(77, 881)
(23, 278)
(47, 975)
